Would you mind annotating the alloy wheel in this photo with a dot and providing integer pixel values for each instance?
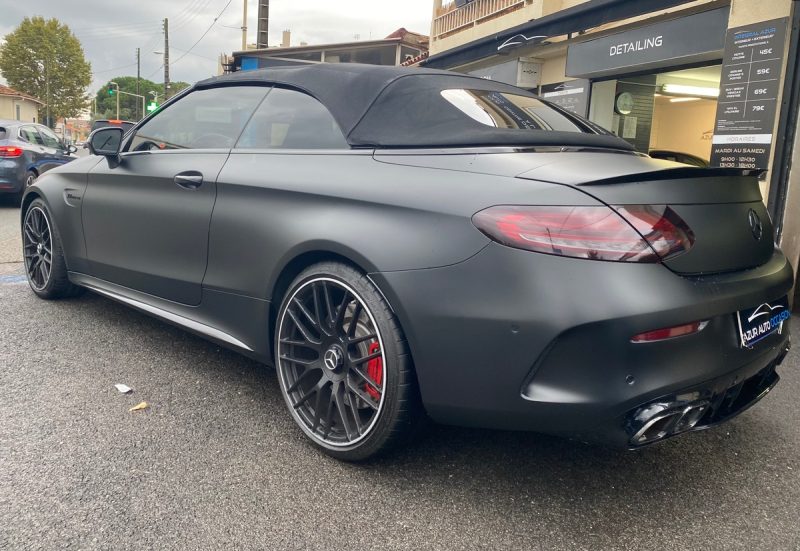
(37, 243)
(331, 362)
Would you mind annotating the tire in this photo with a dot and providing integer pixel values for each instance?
(30, 179)
(41, 242)
(352, 400)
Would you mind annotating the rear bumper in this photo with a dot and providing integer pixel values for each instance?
(517, 340)
(12, 176)
(698, 408)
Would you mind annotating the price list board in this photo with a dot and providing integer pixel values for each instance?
(748, 99)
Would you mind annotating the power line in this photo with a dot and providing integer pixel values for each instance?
(189, 51)
(214, 22)
(113, 69)
(193, 53)
(198, 10)
(154, 72)
(125, 29)
(104, 28)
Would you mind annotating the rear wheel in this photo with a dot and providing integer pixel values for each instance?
(343, 363)
(43, 255)
(30, 179)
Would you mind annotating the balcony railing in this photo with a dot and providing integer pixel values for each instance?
(477, 11)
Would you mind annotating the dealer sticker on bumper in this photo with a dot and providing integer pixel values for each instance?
(762, 321)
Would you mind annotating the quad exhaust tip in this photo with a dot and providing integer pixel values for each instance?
(660, 420)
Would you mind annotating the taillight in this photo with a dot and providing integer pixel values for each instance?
(670, 332)
(10, 151)
(593, 232)
(661, 226)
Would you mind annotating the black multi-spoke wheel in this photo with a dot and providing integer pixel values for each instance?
(342, 362)
(37, 244)
(30, 179)
(44, 258)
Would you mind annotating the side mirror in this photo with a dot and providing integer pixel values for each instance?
(106, 142)
(72, 149)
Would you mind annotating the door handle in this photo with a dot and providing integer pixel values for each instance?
(189, 180)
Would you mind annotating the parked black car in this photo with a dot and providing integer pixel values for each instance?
(397, 241)
(28, 150)
(106, 123)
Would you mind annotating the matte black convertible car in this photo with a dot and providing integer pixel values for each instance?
(398, 242)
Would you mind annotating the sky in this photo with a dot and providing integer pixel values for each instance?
(111, 30)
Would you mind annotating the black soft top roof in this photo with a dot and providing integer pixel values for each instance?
(378, 106)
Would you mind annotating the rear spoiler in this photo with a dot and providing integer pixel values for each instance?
(675, 174)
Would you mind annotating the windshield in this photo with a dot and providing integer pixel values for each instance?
(125, 125)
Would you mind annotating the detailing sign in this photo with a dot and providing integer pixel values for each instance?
(638, 46)
(697, 37)
(749, 95)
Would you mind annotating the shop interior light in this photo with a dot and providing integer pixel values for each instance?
(681, 100)
(684, 90)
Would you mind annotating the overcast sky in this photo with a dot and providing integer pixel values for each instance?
(111, 30)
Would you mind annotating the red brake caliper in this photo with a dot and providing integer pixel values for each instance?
(374, 371)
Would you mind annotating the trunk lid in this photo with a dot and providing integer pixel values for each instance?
(722, 207)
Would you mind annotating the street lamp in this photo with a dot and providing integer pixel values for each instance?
(153, 105)
(112, 92)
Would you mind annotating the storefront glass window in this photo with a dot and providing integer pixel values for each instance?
(669, 115)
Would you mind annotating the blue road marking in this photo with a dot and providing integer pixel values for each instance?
(12, 279)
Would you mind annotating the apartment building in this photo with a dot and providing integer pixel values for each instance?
(395, 49)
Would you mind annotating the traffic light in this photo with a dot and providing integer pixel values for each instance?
(111, 91)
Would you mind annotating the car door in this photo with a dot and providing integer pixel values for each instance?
(56, 152)
(146, 220)
(36, 149)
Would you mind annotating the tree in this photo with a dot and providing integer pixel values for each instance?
(130, 107)
(44, 59)
(176, 86)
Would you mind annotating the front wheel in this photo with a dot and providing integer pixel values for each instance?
(44, 258)
(343, 363)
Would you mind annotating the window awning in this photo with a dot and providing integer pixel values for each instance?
(577, 18)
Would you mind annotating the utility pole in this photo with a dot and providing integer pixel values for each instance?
(138, 75)
(244, 27)
(262, 37)
(166, 58)
(47, 90)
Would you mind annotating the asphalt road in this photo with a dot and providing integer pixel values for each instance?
(217, 463)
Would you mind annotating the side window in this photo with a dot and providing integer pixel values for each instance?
(204, 119)
(30, 135)
(288, 119)
(505, 110)
(50, 139)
